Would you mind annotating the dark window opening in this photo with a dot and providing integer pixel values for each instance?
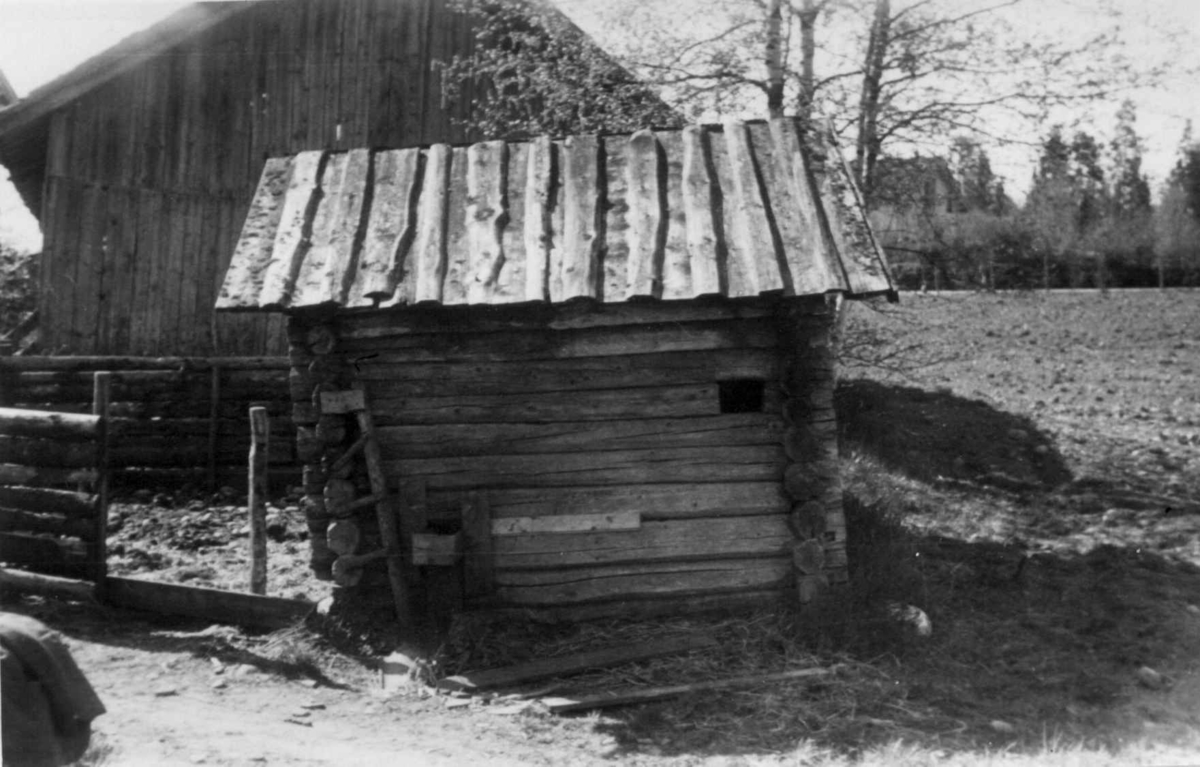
(741, 395)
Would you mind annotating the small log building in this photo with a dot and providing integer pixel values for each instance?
(598, 371)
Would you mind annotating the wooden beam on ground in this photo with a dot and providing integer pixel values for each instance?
(45, 585)
(562, 705)
(575, 664)
(209, 604)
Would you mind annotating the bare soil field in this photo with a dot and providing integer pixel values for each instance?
(1024, 468)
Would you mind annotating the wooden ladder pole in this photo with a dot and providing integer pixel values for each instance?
(388, 527)
(260, 431)
(101, 406)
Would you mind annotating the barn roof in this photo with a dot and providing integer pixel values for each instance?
(739, 209)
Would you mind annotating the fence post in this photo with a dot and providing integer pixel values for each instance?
(260, 430)
(101, 399)
(214, 412)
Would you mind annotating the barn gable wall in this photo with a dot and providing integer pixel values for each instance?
(551, 415)
(149, 176)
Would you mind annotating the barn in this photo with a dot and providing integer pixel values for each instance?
(141, 162)
(588, 376)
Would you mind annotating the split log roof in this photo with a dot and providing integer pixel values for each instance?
(736, 210)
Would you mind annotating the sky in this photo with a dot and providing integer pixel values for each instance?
(42, 39)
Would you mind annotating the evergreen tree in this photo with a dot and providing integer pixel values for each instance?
(1130, 189)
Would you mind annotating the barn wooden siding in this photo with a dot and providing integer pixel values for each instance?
(148, 174)
(739, 210)
(569, 417)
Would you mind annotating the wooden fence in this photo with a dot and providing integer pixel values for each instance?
(54, 488)
(182, 420)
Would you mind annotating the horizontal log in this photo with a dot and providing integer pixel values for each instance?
(83, 378)
(43, 476)
(568, 316)
(676, 540)
(577, 374)
(607, 404)
(16, 521)
(46, 585)
(577, 663)
(115, 364)
(564, 344)
(731, 464)
(641, 608)
(637, 695)
(47, 425)
(572, 524)
(209, 604)
(652, 501)
(681, 579)
(45, 500)
(452, 439)
(42, 553)
(45, 452)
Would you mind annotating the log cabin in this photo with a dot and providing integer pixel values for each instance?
(589, 376)
(140, 163)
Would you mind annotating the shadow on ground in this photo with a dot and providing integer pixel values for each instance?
(936, 436)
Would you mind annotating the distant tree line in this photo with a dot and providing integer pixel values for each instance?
(1089, 219)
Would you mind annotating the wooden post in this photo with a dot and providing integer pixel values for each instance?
(388, 527)
(101, 399)
(260, 430)
(214, 404)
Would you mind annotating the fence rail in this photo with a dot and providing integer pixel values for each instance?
(180, 420)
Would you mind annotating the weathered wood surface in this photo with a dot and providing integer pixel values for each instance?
(572, 316)
(675, 540)
(45, 500)
(708, 464)
(658, 501)
(642, 580)
(478, 564)
(14, 520)
(256, 503)
(210, 604)
(258, 234)
(651, 402)
(637, 695)
(583, 375)
(659, 214)
(456, 439)
(578, 663)
(551, 344)
(390, 230)
(328, 268)
(572, 524)
(46, 585)
(43, 476)
(279, 273)
(45, 452)
(34, 423)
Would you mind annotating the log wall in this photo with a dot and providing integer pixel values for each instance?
(594, 443)
(148, 177)
(176, 426)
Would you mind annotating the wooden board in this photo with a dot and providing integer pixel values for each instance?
(657, 501)
(34, 423)
(390, 226)
(577, 663)
(733, 464)
(582, 228)
(13, 520)
(209, 604)
(570, 524)
(44, 500)
(646, 216)
(279, 275)
(674, 540)
(585, 584)
(453, 439)
(485, 216)
(429, 248)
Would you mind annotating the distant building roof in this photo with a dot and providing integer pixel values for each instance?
(737, 210)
